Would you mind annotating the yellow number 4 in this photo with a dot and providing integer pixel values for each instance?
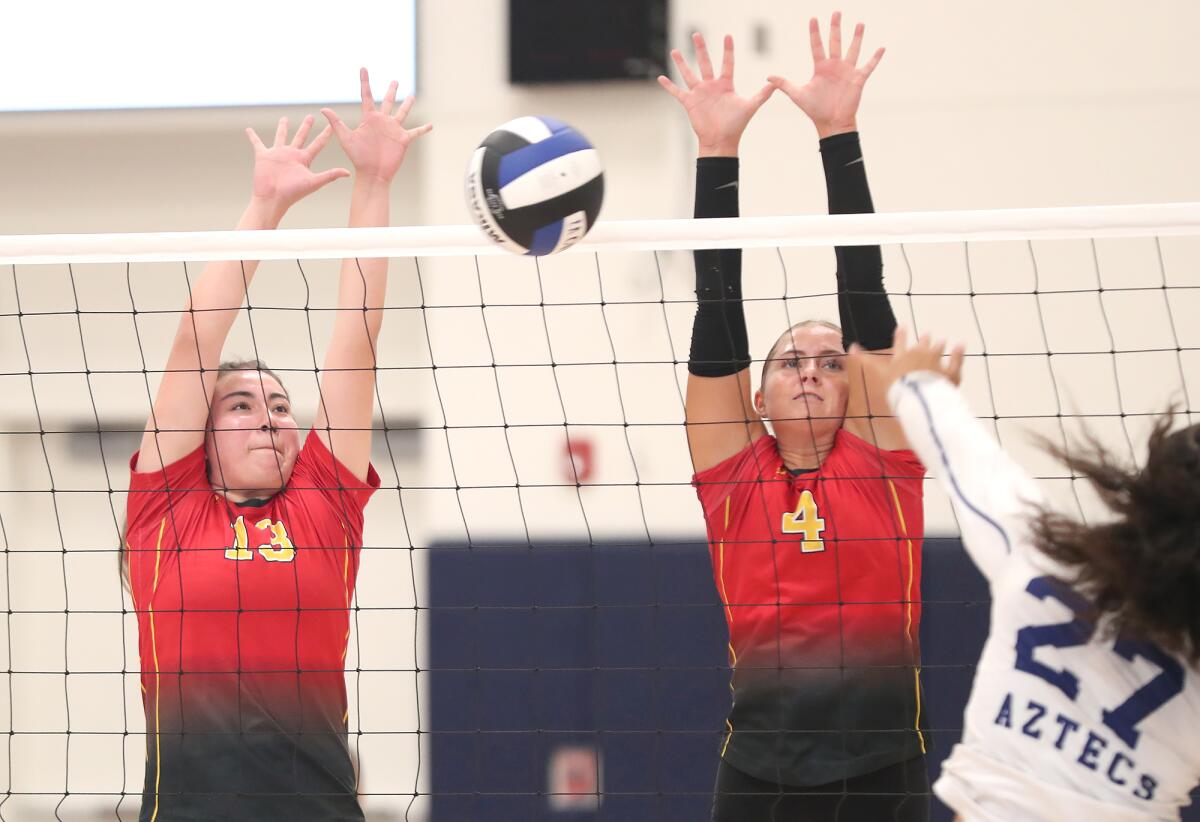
(805, 520)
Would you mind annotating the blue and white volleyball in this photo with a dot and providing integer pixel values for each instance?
(535, 185)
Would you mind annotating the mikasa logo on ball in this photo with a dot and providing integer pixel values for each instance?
(481, 214)
(495, 204)
(535, 185)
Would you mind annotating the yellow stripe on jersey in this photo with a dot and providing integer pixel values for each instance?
(728, 614)
(154, 649)
(346, 587)
(728, 736)
(908, 607)
(721, 580)
(346, 584)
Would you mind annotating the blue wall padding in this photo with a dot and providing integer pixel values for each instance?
(622, 647)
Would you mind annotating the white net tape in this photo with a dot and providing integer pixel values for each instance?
(496, 375)
(647, 235)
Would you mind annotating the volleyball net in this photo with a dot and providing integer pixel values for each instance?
(535, 628)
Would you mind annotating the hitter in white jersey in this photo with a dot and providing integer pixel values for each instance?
(1086, 702)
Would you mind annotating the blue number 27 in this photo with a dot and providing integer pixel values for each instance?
(1123, 719)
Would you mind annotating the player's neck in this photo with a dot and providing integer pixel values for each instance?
(804, 446)
(244, 497)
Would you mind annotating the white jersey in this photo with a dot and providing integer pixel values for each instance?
(1062, 723)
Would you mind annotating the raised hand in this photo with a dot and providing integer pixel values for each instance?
(377, 147)
(831, 97)
(717, 114)
(925, 354)
(283, 173)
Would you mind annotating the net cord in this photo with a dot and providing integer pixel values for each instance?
(1089, 222)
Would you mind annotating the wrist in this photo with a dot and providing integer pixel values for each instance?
(262, 213)
(371, 182)
(370, 202)
(831, 129)
(727, 148)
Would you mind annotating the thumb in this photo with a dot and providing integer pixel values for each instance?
(954, 369)
(326, 177)
(666, 83)
(420, 131)
(762, 96)
(782, 83)
(255, 142)
(339, 128)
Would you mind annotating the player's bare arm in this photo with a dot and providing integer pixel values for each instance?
(283, 175)
(376, 148)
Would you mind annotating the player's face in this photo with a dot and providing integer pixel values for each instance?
(805, 381)
(252, 440)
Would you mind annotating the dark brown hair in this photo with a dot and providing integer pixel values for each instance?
(1143, 568)
(233, 366)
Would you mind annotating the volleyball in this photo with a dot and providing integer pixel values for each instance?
(534, 185)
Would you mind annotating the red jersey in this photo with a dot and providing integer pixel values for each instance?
(243, 618)
(819, 573)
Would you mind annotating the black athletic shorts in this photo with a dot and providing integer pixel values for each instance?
(897, 793)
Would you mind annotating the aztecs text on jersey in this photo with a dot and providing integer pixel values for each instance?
(243, 621)
(820, 576)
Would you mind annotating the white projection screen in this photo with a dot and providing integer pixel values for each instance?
(126, 54)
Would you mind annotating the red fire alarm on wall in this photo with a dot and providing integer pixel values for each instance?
(574, 778)
(579, 463)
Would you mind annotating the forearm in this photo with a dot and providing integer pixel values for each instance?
(720, 344)
(992, 495)
(218, 294)
(347, 386)
(362, 284)
(863, 305)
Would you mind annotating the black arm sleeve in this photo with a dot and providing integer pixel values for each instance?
(720, 346)
(867, 317)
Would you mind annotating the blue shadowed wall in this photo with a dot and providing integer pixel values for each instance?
(620, 649)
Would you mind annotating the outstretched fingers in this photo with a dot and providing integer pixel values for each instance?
(314, 148)
(727, 59)
(364, 91)
(255, 141)
(324, 178)
(674, 90)
(855, 44)
(389, 99)
(420, 131)
(873, 62)
(281, 133)
(783, 84)
(835, 36)
(762, 95)
(302, 132)
(954, 368)
(702, 58)
(405, 105)
(339, 128)
(814, 39)
(685, 71)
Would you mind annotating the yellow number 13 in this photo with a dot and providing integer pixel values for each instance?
(805, 520)
(280, 548)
